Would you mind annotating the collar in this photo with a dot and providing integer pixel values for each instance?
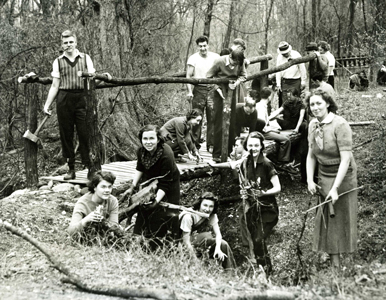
(327, 119)
(227, 60)
(76, 54)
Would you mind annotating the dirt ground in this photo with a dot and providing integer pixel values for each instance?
(25, 273)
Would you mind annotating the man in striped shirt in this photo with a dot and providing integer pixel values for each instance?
(68, 88)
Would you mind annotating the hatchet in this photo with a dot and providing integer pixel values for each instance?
(33, 136)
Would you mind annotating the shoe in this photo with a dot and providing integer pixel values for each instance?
(210, 149)
(70, 175)
(288, 168)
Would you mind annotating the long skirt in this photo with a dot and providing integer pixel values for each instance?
(338, 234)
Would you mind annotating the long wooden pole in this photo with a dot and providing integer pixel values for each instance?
(114, 82)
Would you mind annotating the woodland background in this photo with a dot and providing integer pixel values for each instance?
(135, 38)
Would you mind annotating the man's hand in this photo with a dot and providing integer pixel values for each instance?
(218, 254)
(219, 91)
(109, 77)
(47, 111)
(233, 85)
(189, 96)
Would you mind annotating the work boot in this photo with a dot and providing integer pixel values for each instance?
(70, 175)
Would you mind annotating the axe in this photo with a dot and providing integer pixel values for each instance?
(33, 136)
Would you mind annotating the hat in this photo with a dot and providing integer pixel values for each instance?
(312, 46)
(284, 48)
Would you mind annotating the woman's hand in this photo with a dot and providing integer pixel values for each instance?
(233, 85)
(191, 156)
(333, 195)
(244, 194)
(313, 187)
(259, 193)
(92, 217)
(218, 254)
(295, 131)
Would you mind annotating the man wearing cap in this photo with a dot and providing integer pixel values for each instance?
(198, 64)
(68, 88)
(317, 66)
(292, 79)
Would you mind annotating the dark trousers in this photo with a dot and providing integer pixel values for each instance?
(176, 147)
(71, 112)
(205, 104)
(261, 221)
(284, 143)
(288, 86)
(331, 80)
(218, 107)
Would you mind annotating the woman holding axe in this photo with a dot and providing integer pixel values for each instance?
(330, 147)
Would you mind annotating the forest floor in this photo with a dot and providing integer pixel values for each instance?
(25, 273)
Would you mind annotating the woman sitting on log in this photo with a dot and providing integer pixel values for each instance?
(97, 205)
(259, 184)
(330, 147)
(177, 134)
(195, 231)
(155, 160)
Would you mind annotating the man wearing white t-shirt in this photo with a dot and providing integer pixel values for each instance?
(324, 49)
(198, 64)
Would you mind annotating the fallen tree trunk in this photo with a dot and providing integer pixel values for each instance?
(76, 280)
(115, 82)
(266, 295)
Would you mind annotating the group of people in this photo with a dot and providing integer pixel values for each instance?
(329, 152)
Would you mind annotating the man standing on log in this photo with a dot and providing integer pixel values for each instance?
(198, 64)
(292, 79)
(68, 88)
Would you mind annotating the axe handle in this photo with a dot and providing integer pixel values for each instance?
(41, 125)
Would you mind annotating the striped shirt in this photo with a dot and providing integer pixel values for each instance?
(67, 70)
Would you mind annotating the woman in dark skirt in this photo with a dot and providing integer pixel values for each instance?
(330, 148)
(259, 184)
(156, 160)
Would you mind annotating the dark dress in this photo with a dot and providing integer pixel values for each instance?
(156, 222)
(260, 218)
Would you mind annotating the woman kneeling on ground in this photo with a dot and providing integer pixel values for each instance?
(259, 184)
(195, 234)
(97, 205)
(177, 133)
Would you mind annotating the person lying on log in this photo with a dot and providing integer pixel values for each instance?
(293, 117)
(271, 131)
(177, 133)
(155, 159)
(259, 183)
(196, 236)
(97, 206)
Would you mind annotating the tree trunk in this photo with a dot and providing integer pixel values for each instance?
(31, 148)
(226, 124)
(313, 19)
(267, 26)
(228, 33)
(351, 31)
(208, 17)
(95, 137)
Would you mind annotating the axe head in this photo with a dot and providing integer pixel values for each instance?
(29, 135)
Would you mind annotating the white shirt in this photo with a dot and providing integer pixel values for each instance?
(293, 72)
(55, 66)
(201, 64)
(331, 62)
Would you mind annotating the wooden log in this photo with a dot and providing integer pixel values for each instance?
(95, 136)
(253, 60)
(115, 82)
(266, 295)
(74, 279)
(363, 123)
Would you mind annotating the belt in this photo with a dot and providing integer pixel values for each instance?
(72, 91)
(291, 78)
